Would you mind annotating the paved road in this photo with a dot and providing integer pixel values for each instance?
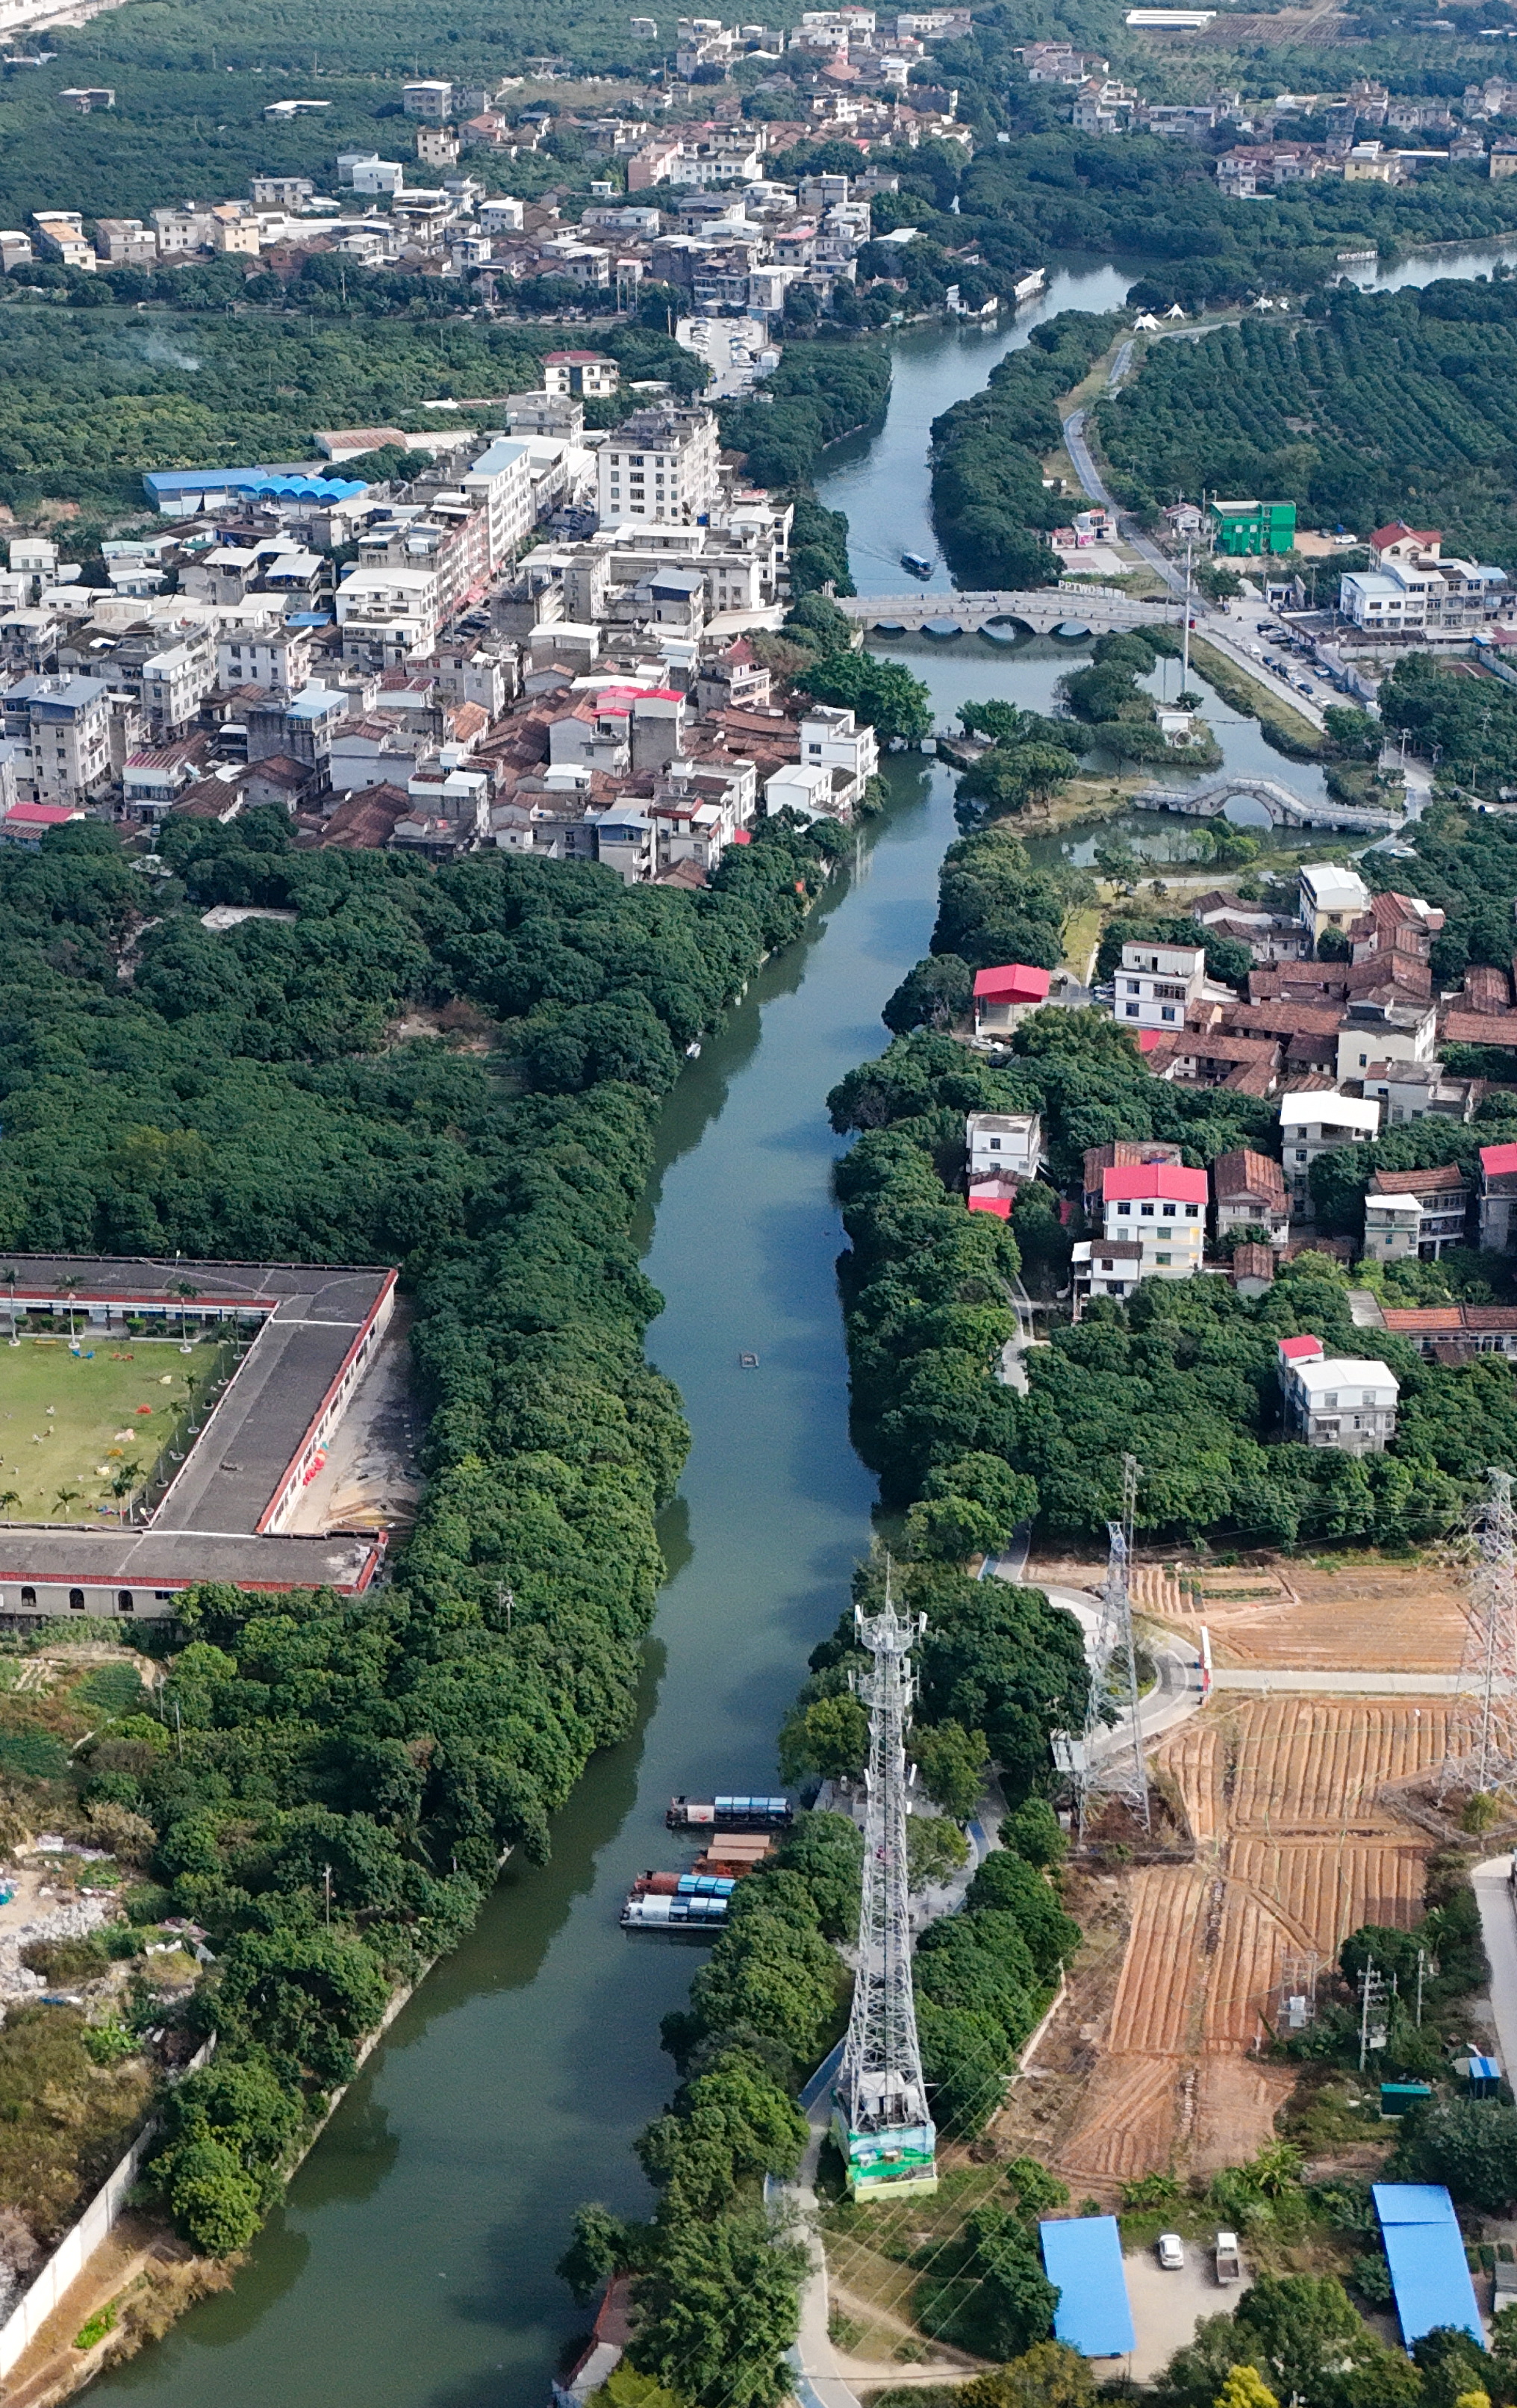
(1499, 1930)
(1210, 623)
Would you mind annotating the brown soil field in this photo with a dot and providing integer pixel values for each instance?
(1364, 1616)
(1293, 1851)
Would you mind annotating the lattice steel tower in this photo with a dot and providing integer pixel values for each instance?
(1483, 1730)
(1110, 1762)
(880, 2098)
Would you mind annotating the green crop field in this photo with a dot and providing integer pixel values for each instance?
(70, 1424)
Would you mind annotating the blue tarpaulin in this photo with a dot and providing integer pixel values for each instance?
(1082, 2254)
(1426, 2252)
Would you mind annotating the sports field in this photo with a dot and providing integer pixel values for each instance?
(72, 1424)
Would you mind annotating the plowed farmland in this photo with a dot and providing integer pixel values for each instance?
(1295, 1848)
(1386, 1618)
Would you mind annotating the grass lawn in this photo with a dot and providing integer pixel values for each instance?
(73, 1422)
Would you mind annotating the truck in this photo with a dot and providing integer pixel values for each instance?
(1228, 2268)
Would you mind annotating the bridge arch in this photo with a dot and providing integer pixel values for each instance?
(1283, 805)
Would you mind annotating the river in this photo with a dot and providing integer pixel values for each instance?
(412, 2263)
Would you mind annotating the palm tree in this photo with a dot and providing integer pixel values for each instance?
(71, 1283)
(7, 1498)
(64, 1498)
(123, 1483)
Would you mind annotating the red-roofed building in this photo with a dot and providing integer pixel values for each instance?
(1300, 1350)
(1005, 995)
(1399, 541)
(1163, 1207)
(982, 1199)
(1498, 1196)
(28, 822)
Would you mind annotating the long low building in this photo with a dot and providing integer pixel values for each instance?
(310, 1332)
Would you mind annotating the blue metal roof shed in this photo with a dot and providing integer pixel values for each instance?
(1426, 2251)
(1082, 2254)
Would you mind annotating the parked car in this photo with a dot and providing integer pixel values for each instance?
(1304, 685)
(1171, 2252)
(1228, 2268)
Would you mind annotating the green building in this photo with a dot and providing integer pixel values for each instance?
(1246, 527)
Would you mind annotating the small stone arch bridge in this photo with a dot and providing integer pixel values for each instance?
(1286, 808)
(1100, 609)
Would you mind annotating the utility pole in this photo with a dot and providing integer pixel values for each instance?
(880, 2098)
(1185, 631)
(1375, 1995)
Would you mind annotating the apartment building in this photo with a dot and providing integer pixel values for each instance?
(1413, 590)
(176, 681)
(660, 465)
(64, 722)
(265, 652)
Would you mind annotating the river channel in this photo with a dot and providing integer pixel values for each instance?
(412, 2264)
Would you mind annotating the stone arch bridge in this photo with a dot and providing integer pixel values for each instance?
(1101, 610)
(1286, 808)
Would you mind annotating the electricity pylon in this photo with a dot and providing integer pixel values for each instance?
(880, 2098)
(1483, 1732)
(1111, 1761)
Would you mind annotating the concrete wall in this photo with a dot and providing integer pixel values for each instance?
(67, 2263)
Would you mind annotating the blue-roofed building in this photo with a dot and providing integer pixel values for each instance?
(184, 492)
(1426, 2252)
(1083, 2254)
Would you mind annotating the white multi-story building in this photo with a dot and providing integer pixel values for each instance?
(1339, 1401)
(1413, 590)
(1009, 1143)
(1162, 1207)
(1157, 983)
(501, 482)
(831, 739)
(1331, 898)
(263, 653)
(659, 464)
(428, 98)
(388, 615)
(183, 231)
(1315, 1123)
(176, 681)
(1377, 1032)
(125, 242)
(60, 235)
(68, 733)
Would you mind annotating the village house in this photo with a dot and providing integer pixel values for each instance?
(1003, 997)
(1333, 1402)
(1003, 1143)
(1163, 1208)
(1250, 1192)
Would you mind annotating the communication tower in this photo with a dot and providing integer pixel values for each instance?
(880, 2098)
